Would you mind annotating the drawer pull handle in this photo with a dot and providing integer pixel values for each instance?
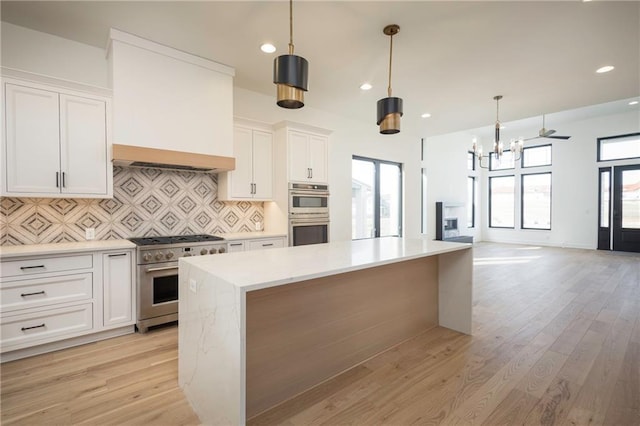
(30, 328)
(267, 245)
(32, 294)
(236, 244)
(118, 255)
(31, 267)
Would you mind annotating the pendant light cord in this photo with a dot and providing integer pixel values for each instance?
(290, 27)
(390, 57)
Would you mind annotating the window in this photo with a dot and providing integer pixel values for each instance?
(619, 147)
(536, 201)
(471, 161)
(505, 162)
(605, 200)
(376, 198)
(471, 202)
(502, 201)
(536, 156)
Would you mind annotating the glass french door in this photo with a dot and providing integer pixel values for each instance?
(619, 209)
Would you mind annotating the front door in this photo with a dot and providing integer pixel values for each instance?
(619, 208)
(626, 208)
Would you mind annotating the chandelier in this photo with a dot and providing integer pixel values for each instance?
(515, 146)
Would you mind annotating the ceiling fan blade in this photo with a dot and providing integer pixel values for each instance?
(559, 137)
(530, 139)
(544, 133)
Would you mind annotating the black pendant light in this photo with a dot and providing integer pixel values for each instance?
(290, 74)
(390, 108)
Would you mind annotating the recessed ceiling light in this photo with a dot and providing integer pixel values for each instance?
(633, 103)
(605, 69)
(268, 48)
(365, 86)
(425, 115)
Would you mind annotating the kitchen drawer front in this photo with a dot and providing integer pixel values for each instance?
(31, 293)
(17, 268)
(266, 244)
(44, 326)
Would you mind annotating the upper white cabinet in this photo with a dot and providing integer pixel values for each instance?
(307, 157)
(56, 142)
(252, 178)
(169, 99)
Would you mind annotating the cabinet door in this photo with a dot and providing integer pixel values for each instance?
(83, 145)
(262, 165)
(242, 177)
(318, 150)
(298, 157)
(117, 288)
(32, 138)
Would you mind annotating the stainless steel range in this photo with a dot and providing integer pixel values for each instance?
(157, 273)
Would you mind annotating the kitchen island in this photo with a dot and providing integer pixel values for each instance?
(257, 328)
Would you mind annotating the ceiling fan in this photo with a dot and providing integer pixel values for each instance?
(547, 133)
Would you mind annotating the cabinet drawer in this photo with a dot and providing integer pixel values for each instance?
(46, 325)
(235, 246)
(31, 293)
(266, 244)
(43, 265)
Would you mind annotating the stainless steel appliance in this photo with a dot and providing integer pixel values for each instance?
(306, 198)
(308, 214)
(157, 273)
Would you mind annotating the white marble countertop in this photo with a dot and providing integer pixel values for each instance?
(8, 252)
(236, 236)
(253, 270)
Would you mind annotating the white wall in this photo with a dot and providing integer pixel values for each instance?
(574, 179)
(45, 54)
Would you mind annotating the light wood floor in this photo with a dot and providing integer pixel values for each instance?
(556, 341)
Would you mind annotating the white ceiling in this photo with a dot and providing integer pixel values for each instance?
(450, 58)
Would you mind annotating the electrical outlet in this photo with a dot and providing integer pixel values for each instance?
(193, 286)
(258, 226)
(90, 233)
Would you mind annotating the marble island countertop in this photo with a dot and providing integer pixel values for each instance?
(252, 270)
(8, 252)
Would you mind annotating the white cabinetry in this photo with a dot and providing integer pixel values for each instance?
(117, 288)
(256, 244)
(50, 302)
(252, 178)
(56, 142)
(307, 157)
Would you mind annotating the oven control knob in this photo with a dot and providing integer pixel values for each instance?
(204, 251)
(169, 255)
(222, 250)
(213, 251)
(146, 257)
(159, 256)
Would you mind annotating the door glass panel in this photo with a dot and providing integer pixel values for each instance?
(605, 200)
(165, 289)
(362, 199)
(631, 199)
(389, 200)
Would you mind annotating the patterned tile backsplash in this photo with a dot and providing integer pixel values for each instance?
(146, 202)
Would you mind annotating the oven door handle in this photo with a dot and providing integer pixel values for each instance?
(165, 268)
(300, 193)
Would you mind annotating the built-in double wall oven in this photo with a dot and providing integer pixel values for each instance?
(308, 214)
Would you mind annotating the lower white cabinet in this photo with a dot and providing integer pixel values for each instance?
(256, 244)
(117, 288)
(45, 300)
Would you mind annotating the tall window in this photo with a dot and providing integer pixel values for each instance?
(471, 201)
(502, 201)
(376, 198)
(536, 201)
